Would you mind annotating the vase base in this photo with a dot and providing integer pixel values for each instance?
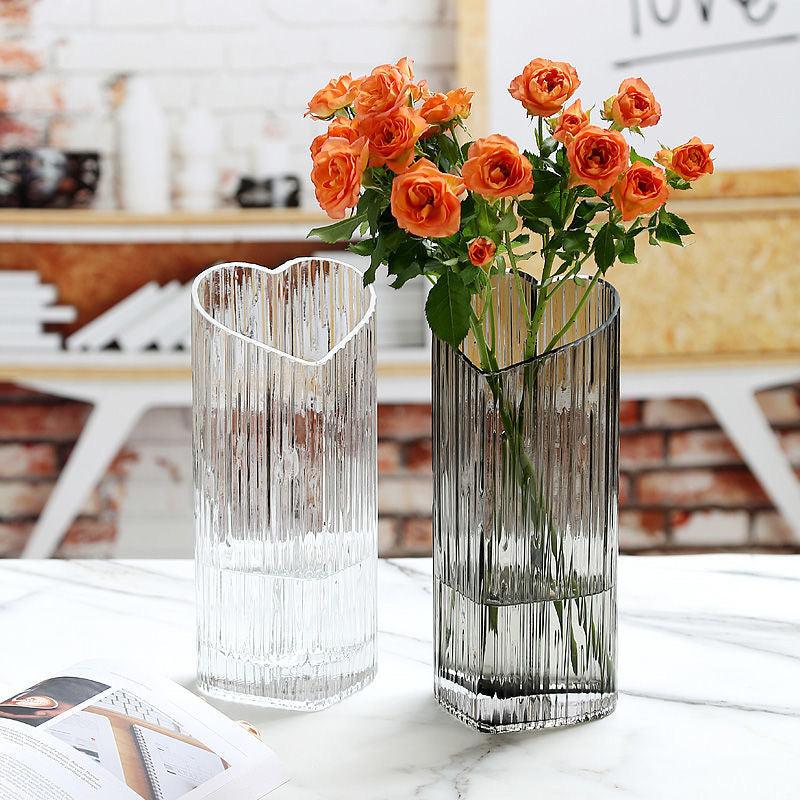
(296, 702)
(494, 715)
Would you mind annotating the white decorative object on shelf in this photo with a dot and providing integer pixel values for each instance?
(24, 310)
(198, 177)
(272, 162)
(143, 150)
(141, 334)
(153, 316)
(400, 315)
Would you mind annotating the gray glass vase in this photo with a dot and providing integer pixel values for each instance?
(285, 479)
(525, 517)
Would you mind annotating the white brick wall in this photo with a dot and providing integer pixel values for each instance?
(250, 61)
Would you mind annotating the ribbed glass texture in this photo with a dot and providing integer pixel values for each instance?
(525, 518)
(283, 373)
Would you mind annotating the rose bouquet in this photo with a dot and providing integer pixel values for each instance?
(428, 201)
(525, 448)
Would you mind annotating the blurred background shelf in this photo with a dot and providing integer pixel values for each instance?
(403, 372)
(254, 225)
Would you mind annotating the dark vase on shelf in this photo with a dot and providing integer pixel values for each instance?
(525, 518)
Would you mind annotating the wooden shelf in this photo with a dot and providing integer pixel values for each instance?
(103, 227)
(228, 216)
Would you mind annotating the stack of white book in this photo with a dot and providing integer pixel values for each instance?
(153, 317)
(25, 308)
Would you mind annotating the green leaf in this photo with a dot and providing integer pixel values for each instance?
(339, 231)
(362, 248)
(627, 255)
(549, 146)
(522, 238)
(604, 249)
(472, 275)
(449, 149)
(404, 265)
(486, 220)
(536, 225)
(508, 222)
(666, 233)
(375, 260)
(636, 157)
(544, 181)
(585, 212)
(536, 209)
(575, 242)
(678, 223)
(447, 308)
(676, 182)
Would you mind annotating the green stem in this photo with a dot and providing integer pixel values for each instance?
(515, 270)
(457, 144)
(574, 315)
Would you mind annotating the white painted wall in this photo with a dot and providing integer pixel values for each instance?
(741, 98)
(253, 63)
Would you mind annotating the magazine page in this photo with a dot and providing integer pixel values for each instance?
(101, 730)
(36, 766)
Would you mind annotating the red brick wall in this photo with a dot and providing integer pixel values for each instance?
(37, 433)
(683, 486)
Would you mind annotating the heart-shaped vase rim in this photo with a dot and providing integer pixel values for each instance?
(353, 332)
(613, 315)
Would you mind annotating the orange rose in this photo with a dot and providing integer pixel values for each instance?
(571, 121)
(691, 160)
(481, 251)
(392, 137)
(420, 91)
(597, 157)
(406, 67)
(664, 157)
(337, 93)
(440, 108)
(634, 106)
(425, 201)
(336, 174)
(495, 168)
(386, 88)
(340, 127)
(640, 190)
(544, 86)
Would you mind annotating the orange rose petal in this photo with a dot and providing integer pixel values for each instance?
(481, 251)
(693, 159)
(642, 189)
(336, 94)
(597, 157)
(495, 168)
(336, 174)
(544, 86)
(425, 201)
(635, 105)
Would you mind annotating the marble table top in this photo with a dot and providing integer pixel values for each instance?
(709, 683)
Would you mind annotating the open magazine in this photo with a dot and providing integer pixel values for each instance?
(100, 731)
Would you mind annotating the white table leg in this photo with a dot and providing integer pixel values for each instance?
(742, 419)
(106, 431)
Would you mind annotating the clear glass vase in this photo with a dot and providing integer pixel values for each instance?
(283, 372)
(525, 517)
